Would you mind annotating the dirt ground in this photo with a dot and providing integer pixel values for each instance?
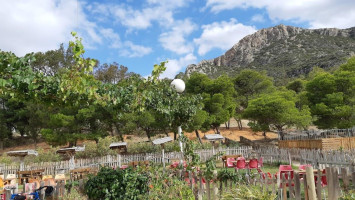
(232, 133)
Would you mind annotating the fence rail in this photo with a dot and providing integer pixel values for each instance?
(319, 134)
(317, 158)
(61, 167)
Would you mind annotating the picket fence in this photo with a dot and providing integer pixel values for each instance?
(319, 134)
(317, 158)
(53, 168)
(307, 185)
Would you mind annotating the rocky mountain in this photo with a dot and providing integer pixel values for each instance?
(283, 51)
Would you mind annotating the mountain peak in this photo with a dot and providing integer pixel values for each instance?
(283, 51)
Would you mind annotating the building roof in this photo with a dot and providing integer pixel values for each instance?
(162, 140)
(71, 149)
(213, 137)
(22, 153)
(118, 144)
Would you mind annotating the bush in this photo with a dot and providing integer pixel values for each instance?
(163, 186)
(102, 148)
(48, 155)
(112, 184)
(5, 159)
(248, 192)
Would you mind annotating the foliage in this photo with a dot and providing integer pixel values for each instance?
(218, 100)
(101, 148)
(74, 194)
(164, 186)
(112, 184)
(332, 97)
(4, 159)
(277, 109)
(44, 155)
(248, 192)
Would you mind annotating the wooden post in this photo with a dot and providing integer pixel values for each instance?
(319, 186)
(305, 187)
(215, 185)
(200, 192)
(297, 187)
(329, 175)
(310, 184)
(283, 185)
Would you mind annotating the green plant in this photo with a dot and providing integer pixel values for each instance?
(111, 184)
(349, 195)
(44, 155)
(74, 194)
(164, 186)
(248, 192)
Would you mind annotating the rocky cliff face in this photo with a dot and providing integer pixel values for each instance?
(283, 51)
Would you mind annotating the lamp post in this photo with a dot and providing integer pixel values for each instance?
(179, 86)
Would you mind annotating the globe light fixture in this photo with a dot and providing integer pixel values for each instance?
(178, 85)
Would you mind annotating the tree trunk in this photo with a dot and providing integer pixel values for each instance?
(198, 136)
(147, 131)
(217, 129)
(2, 145)
(229, 123)
(239, 122)
(175, 133)
(225, 124)
(264, 133)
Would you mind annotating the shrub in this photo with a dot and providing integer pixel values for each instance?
(163, 186)
(112, 184)
(248, 192)
(102, 148)
(48, 155)
(5, 159)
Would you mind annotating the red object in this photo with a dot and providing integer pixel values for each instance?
(240, 158)
(176, 164)
(124, 167)
(229, 162)
(187, 180)
(285, 169)
(240, 164)
(260, 162)
(324, 179)
(253, 164)
(303, 167)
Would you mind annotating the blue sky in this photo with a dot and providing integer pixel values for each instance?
(139, 34)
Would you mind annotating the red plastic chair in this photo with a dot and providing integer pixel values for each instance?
(285, 169)
(241, 164)
(253, 164)
(260, 162)
(229, 162)
(124, 167)
(240, 158)
(303, 167)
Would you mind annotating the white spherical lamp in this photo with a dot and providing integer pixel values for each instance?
(178, 85)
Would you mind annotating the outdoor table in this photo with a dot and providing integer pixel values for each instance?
(80, 173)
(25, 175)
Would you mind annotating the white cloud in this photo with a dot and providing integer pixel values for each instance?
(132, 50)
(153, 11)
(222, 35)
(318, 13)
(112, 37)
(258, 18)
(41, 25)
(174, 66)
(174, 40)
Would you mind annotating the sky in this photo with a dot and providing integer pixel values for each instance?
(141, 33)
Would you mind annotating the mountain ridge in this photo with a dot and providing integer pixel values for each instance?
(283, 51)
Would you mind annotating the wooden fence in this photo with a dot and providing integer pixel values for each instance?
(317, 158)
(312, 184)
(53, 168)
(347, 143)
(319, 134)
